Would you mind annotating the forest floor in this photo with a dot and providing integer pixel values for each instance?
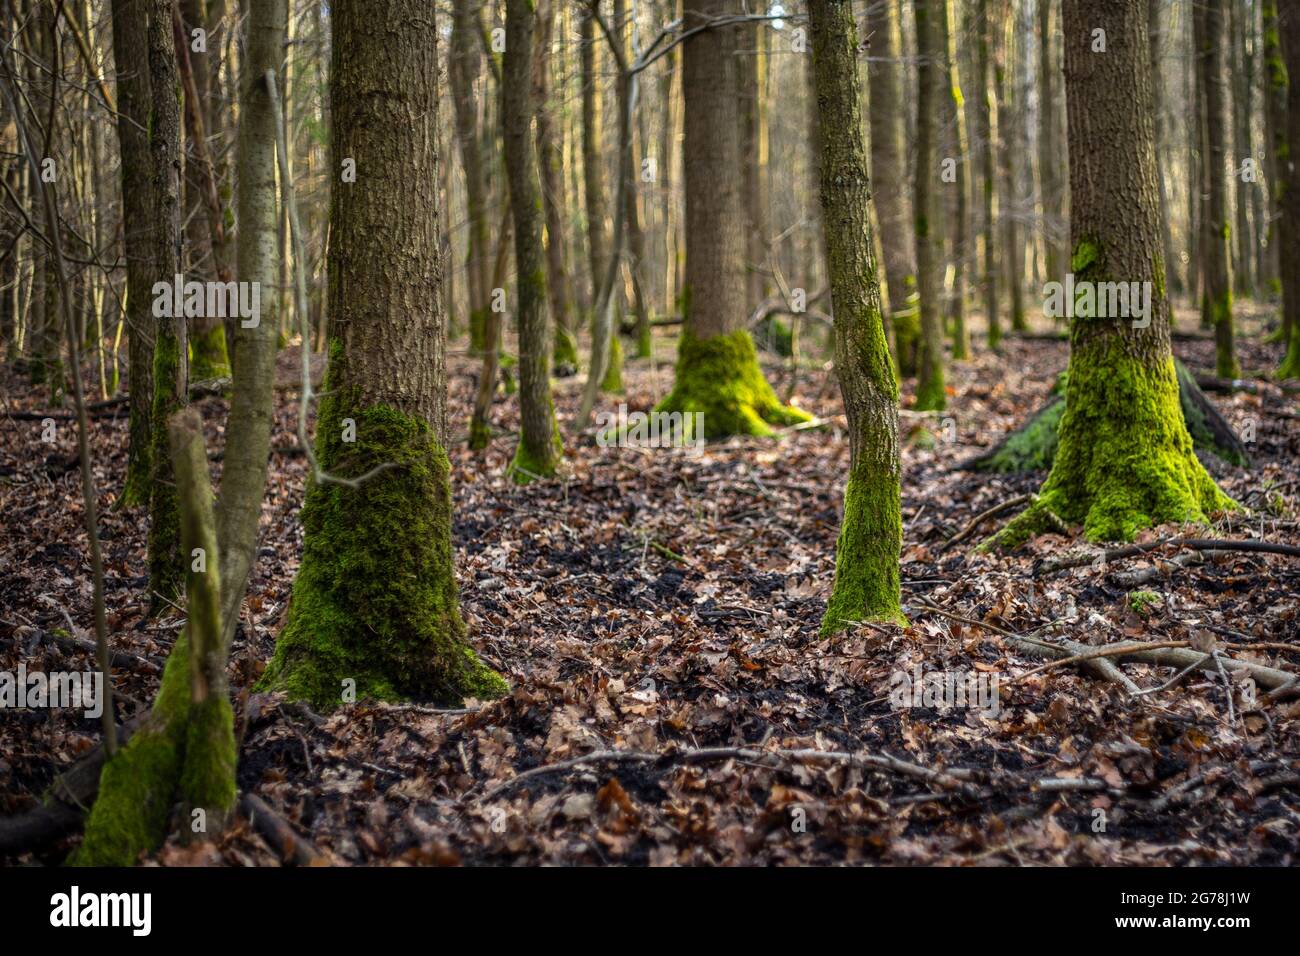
(657, 615)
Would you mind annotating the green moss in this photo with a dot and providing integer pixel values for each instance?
(530, 464)
(931, 392)
(480, 433)
(477, 331)
(776, 336)
(1290, 367)
(375, 599)
(138, 784)
(644, 341)
(613, 380)
(565, 352)
(1125, 460)
(721, 378)
(1140, 602)
(1226, 364)
(1086, 253)
(866, 556)
(208, 778)
(166, 568)
(1031, 448)
(208, 355)
(907, 332)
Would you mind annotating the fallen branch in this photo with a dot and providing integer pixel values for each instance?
(956, 780)
(1079, 559)
(278, 834)
(983, 516)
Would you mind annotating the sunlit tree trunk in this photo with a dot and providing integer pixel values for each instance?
(867, 553)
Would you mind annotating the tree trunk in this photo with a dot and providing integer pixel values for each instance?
(871, 534)
(718, 374)
(987, 135)
(1173, 272)
(1010, 120)
(1216, 261)
(889, 175)
(170, 359)
(374, 606)
(130, 52)
(930, 394)
(540, 450)
(1275, 111)
(1243, 249)
(955, 117)
(248, 426)
(1125, 458)
(550, 160)
(1051, 158)
(1289, 189)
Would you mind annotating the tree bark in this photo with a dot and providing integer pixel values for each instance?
(930, 394)
(374, 607)
(1125, 458)
(170, 359)
(1289, 189)
(867, 553)
(718, 375)
(550, 161)
(540, 450)
(1216, 260)
(889, 175)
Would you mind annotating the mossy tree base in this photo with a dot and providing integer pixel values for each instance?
(375, 599)
(721, 378)
(564, 355)
(209, 357)
(866, 558)
(1032, 446)
(612, 383)
(1125, 461)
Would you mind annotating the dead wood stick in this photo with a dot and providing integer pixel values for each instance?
(1099, 666)
(115, 658)
(1090, 655)
(279, 834)
(948, 780)
(1199, 544)
(983, 516)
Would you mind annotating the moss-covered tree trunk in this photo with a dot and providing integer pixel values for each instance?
(926, 207)
(1216, 259)
(540, 449)
(170, 356)
(550, 161)
(1125, 458)
(889, 174)
(130, 46)
(986, 136)
(718, 374)
(206, 229)
(375, 599)
(866, 556)
(1288, 231)
(186, 748)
